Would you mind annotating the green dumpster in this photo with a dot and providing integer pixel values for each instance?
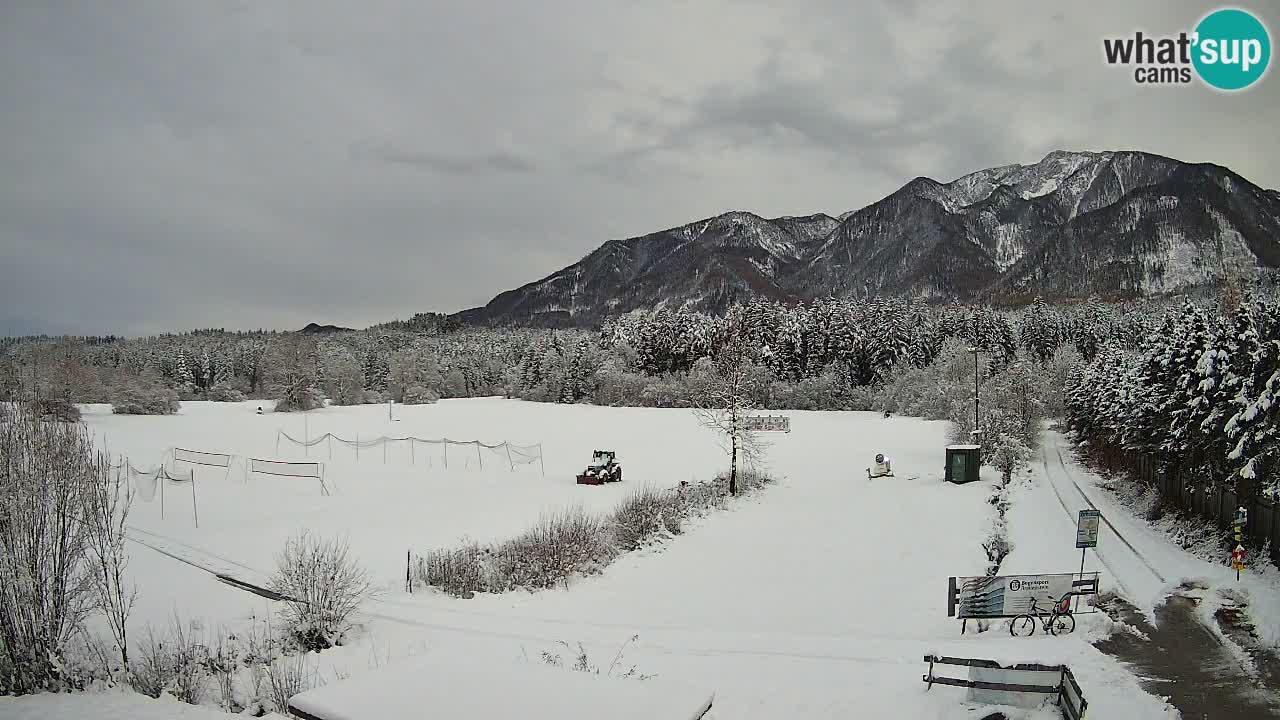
(963, 462)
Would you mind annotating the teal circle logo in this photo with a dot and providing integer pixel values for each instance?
(1232, 49)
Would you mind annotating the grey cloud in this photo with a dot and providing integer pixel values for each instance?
(491, 162)
(174, 165)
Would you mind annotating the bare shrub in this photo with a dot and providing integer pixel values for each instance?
(150, 671)
(187, 655)
(573, 542)
(173, 663)
(646, 513)
(225, 392)
(221, 662)
(558, 546)
(582, 662)
(287, 676)
(49, 473)
(457, 571)
(326, 587)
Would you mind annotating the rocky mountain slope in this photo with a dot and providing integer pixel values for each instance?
(1075, 224)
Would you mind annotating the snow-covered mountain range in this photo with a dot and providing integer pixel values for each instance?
(1075, 224)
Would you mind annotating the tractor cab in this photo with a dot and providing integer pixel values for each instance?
(603, 468)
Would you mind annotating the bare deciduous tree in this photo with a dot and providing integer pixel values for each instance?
(723, 400)
(108, 509)
(49, 473)
(291, 372)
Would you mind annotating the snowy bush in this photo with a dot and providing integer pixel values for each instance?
(225, 392)
(325, 586)
(144, 397)
(55, 408)
(419, 395)
(301, 401)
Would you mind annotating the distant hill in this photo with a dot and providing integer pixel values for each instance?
(316, 329)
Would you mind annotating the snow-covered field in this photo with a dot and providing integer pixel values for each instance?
(817, 598)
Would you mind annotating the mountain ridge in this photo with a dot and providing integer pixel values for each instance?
(1116, 224)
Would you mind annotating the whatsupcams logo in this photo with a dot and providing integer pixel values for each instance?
(1229, 49)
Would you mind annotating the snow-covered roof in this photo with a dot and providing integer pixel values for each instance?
(964, 447)
(445, 688)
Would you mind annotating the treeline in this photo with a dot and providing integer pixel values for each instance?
(1199, 392)
(820, 355)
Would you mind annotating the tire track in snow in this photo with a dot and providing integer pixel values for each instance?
(166, 539)
(1048, 476)
(1058, 449)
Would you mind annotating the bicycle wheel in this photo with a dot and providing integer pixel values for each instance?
(1062, 624)
(1023, 626)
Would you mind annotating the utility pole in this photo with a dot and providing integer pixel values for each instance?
(975, 387)
(974, 349)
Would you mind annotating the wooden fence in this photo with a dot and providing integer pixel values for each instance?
(1216, 504)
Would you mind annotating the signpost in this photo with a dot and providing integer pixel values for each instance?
(1237, 555)
(1086, 536)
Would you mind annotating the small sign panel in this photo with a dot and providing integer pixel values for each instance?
(1087, 528)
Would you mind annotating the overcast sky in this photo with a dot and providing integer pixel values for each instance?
(170, 165)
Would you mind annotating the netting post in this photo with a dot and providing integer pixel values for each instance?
(446, 453)
(357, 448)
(408, 561)
(329, 436)
(478, 458)
(384, 449)
(412, 458)
(507, 445)
(160, 479)
(195, 510)
(278, 442)
(540, 463)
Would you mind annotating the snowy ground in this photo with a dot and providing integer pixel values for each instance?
(817, 599)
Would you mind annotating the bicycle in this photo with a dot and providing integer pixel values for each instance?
(1059, 620)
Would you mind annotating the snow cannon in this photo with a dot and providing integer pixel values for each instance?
(604, 468)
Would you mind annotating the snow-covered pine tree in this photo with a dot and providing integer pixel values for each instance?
(1255, 427)
(1187, 356)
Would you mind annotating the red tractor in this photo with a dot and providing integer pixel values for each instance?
(604, 468)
